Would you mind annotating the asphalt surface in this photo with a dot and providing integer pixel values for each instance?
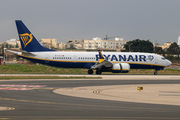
(40, 103)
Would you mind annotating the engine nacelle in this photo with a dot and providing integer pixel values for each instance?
(121, 68)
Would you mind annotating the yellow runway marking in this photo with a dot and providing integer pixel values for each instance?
(11, 108)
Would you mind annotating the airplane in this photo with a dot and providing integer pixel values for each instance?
(115, 62)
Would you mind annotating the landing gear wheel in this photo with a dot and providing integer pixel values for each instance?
(90, 71)
(98, 72)
(155, 73)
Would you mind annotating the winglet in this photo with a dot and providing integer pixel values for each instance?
(101, 58)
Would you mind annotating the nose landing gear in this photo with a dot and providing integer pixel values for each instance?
(155, 73)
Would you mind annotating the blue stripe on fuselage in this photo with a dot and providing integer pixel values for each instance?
(61, 64)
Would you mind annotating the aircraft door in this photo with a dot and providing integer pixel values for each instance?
(156, 61)
(75, 58)
(46, 58)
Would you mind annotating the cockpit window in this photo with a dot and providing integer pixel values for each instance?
(163, 58)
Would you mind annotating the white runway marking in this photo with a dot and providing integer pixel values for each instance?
(20, 87)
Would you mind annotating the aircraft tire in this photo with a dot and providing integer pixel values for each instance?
(98, 72)
(90, 71)
(155, 73)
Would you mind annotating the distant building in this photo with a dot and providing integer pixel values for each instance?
(155, 44)
(165, 46)
(77, 43)
(13, 43)
(61, 45)
(116, 44)
(46, 44)
(98, 43)
(97, 38)
(179, 40)
(49, 42)
(1, 44)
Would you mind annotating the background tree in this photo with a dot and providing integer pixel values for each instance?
(173, 49)
(173, 52)
(158, 50)
(2, 50)
(16, 45)
(71, 47)
(6, 45)
(138, 46)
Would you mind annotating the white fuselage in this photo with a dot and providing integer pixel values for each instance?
(86, 59)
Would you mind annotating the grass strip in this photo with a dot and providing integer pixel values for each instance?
(45, 77)
(43, 69)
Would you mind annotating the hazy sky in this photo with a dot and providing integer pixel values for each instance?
(84, 19)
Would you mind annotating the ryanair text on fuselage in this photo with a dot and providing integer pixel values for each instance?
(128, 58)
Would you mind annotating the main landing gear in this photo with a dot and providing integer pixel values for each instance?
(90, 71)
(98, 72)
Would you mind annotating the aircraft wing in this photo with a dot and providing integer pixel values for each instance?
(102, 62)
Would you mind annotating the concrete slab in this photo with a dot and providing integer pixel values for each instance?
(168, 94)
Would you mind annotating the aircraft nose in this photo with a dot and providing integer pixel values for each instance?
(169, 63)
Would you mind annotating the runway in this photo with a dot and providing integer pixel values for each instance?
(108, 76)
(35, 99)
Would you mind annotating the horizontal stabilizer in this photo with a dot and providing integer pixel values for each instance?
(15, 52)
(21, 53)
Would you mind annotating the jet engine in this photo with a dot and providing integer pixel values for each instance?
(120, 68)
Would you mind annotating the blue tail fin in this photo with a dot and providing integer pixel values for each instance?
(28, 41)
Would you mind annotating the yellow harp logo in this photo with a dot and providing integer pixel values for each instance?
(26, 38)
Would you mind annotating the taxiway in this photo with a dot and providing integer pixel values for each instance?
(40, 102)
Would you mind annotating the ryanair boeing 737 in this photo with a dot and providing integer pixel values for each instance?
(115, 62)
